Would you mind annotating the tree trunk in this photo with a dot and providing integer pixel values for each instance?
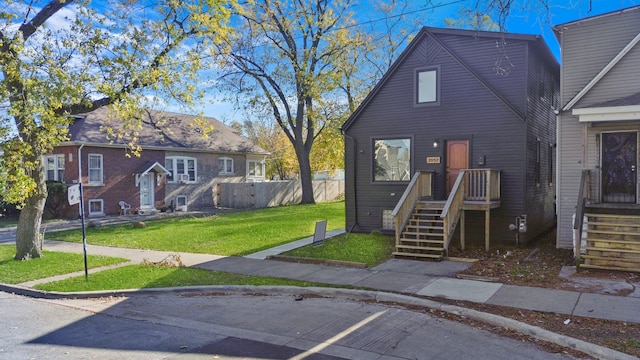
(28, 242)
(305, 176)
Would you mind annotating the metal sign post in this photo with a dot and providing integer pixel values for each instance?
(74, 194)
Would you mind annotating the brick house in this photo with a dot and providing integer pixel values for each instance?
(178, 167)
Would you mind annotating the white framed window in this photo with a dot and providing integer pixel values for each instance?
(181, 200)
(225, 166)
(54, 167)
(96, 207)
(96, 169)
(181, 168)
(255, 168)
(427, 86)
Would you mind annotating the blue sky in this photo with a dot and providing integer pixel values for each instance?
(527, 21)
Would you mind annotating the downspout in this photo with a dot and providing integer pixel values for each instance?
(80, 173)
(355, 194)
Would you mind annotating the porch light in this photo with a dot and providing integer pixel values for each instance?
(436, 143)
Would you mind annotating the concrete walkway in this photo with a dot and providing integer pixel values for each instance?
(408, 277)
(397, 281)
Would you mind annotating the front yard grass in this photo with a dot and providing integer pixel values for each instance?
(52, 264)
(231, 234)
(371, 249)
(152, 276)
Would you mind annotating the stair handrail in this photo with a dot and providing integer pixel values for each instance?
(453, 207)
(421, 185)
(580, 210)
(482, 185)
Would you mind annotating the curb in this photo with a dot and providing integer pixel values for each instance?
(594, 350)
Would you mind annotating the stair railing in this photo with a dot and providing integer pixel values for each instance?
(421, 185)
(482, 185)
(453, 207)
(583, 194)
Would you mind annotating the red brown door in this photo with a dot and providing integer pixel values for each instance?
(457, 159)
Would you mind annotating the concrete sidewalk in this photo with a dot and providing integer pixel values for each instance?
(396, 281)
(408, 277)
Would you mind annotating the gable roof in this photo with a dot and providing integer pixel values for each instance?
(162, 130)
(558, 29)
(616, 59)
(433, 32)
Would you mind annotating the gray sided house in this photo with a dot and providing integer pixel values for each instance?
(178, 168)
(598, 127)
(456, 140)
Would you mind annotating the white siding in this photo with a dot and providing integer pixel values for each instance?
(569, 171)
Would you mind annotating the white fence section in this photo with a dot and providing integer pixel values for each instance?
(273, 193)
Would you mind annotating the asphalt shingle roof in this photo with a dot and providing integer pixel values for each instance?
(162, 129)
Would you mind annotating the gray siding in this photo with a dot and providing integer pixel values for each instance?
(569, 171)
(587, 46)
(467, 110)
(543, 85)
(200, 195)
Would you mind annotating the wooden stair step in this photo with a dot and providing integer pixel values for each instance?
(430, 256)
(614, 268)
(606, 250)
(415, 247)
(613, 216)
(419, 220)
(610, 258)
(422, 233)
(621, 242)
(427, 229)
(434, 241)
(618, 224)
(609, 232)
(423, 243)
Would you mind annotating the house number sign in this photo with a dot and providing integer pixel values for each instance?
(433, 160)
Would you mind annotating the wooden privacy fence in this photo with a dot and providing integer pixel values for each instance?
(259, 195)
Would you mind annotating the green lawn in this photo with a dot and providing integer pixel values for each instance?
(371, 249)
(150, 276)
(232, 234)
(53, 263)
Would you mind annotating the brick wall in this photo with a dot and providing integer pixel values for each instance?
(119, 179)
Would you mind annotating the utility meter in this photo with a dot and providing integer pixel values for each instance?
(522, 223)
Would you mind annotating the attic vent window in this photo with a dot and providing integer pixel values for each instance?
(427, 86)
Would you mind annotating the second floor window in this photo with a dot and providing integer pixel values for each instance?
(95, 169)
(54, 167)
(427, 86)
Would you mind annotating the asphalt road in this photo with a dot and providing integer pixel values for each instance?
(197, 325)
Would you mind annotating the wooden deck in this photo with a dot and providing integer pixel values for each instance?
(424, 228)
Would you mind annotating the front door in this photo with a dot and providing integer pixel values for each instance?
(619, 163)
(457, 159)
(147, 191)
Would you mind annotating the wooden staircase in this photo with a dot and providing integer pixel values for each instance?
(423, 236)
(613, 241)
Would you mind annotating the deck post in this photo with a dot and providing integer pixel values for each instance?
(487, 224)
(462, 244)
